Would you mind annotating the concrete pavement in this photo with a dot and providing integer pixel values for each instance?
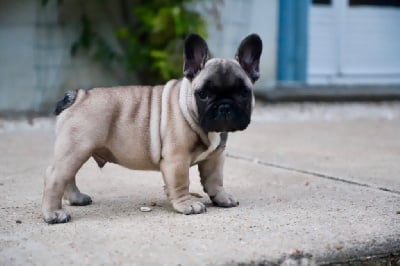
(311, 190)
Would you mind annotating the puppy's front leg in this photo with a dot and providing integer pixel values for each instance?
(212, 181)
(176, 177)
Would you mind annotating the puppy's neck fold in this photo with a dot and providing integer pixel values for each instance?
(187, 103)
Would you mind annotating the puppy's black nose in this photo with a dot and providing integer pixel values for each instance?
(224, 109)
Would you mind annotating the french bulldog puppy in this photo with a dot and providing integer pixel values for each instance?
(167, 128)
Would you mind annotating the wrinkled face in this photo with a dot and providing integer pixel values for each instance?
(224, 96)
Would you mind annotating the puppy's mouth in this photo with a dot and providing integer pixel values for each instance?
(224, 117)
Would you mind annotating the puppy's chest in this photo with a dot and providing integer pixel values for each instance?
(217, 145)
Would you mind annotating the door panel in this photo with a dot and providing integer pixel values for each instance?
(372, 41)
(354, 41)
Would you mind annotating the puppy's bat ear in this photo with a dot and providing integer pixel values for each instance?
(248, 55)
(195, 55)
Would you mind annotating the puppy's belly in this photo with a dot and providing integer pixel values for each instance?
(132, 161)
(137, 163)
(132, 151)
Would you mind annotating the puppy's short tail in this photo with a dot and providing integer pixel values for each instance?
(67, 101)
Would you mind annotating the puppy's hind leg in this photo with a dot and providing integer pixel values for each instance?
(74, 197)
(60, 178)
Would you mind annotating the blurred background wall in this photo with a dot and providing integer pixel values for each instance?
(238, 19)
(309, 42)
(354, 41)
(36, 65)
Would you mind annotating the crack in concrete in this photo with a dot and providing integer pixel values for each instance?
(308, 172)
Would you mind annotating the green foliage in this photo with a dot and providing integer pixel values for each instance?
(153, 44)
(149, 34)
(92, 42)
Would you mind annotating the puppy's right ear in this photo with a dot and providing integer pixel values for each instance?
(195, 55)
(248, 55)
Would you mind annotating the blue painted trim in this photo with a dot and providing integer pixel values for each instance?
(293, 40)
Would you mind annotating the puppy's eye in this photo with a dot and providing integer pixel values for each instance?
(245, 93)
(202, 95)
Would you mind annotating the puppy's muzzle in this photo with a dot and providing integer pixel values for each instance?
(224, 110)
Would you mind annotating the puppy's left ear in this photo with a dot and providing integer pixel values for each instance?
(195, 55)
(248, 55)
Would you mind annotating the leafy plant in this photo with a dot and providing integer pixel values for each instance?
(149, 36)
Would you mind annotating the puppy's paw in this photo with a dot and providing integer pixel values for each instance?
(78, 199)
(189, 206)
(56, 217)
(223, 199)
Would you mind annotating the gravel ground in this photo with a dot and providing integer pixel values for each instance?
(318, 181)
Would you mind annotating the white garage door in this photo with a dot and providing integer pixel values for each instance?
(354, 41)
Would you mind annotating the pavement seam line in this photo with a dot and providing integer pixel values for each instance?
(297, 170)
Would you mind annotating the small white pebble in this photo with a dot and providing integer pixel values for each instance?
(145, 209)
